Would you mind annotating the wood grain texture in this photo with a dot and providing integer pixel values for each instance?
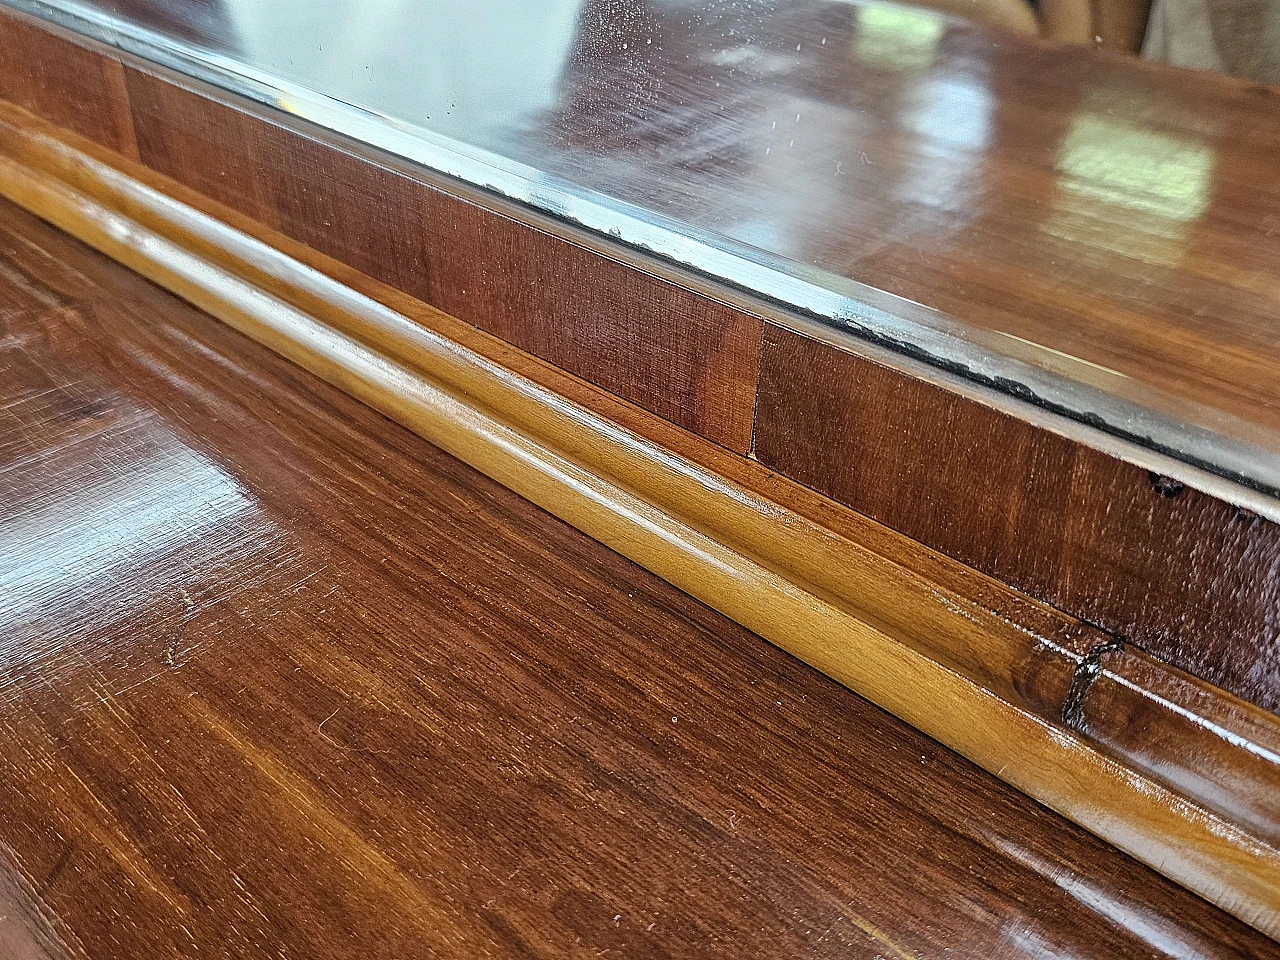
(70, 85)
(1128, 707)
(214, 151)
(957, 655)
(358, 184)
(1191, 579)
(684, 356)
(291, 718)
(644, 340)
(692, 360)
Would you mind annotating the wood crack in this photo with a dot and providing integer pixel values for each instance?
(1087, 671)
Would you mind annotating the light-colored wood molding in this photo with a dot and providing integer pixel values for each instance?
(983, 671)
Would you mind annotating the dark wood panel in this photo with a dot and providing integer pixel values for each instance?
(374, 219)
(212, 149)
(1187, 577)
(679, 354)
(684, 356)
(302, 683)
(371, 218)
(66, 83)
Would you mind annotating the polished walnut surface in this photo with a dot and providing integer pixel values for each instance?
(1109, 221)
(280, 678)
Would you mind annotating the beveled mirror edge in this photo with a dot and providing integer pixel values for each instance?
(1210, 450)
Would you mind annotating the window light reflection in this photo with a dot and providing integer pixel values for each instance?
(897, 37)
(1118, 163)
(1129, 190)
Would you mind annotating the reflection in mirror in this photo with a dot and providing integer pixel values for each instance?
(966, 180)
(1138, 168)
(1239, 37)
(431, 62)
(896, 37)
(1129, 190)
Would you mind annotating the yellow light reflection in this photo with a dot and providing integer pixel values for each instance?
(1141, 169)
(900, 38)
(1129, 190)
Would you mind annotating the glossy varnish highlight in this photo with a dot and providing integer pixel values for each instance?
(1101, 541)
(297, 681)
(959, 656)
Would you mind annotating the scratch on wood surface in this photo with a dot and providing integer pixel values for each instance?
(171, 650)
